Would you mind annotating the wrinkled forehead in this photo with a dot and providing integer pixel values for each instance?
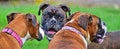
(78, 15)
(53, 9)
(19, 15)
(14, 15)
(75, 15)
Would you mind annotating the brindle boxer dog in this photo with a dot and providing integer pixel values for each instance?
(21, 27)
(111, 42)
(53, 18)
(81, 28)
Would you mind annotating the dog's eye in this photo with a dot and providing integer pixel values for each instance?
(46, 16)
(60, 18)
(58, 15)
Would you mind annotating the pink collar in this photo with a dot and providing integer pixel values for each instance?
(14, 34)
(72, 29)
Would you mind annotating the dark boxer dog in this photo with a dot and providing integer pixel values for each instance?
(53, 18)
(111, 42)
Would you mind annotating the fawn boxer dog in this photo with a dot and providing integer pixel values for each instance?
(21, 27)
(82, 28)
(53, 18)
(111, 42)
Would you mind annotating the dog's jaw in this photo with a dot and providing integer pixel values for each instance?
(99, 38)
(105, 30)
(26, 37)
(49, 38)
(50, 35)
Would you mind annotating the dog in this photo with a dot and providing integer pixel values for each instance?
(111, 42)
(78, 32)
(53, 18)
(20, 28)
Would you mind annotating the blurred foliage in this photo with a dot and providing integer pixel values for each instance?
(18, 2)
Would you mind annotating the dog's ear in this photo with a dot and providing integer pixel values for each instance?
(31, 18)
(42, 7)
(84, 20)
(10, 17)
(66, 9)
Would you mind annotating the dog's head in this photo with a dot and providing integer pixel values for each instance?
(32, 25)
(53, 18)
(95, 28)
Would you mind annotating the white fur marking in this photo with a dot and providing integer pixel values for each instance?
(26, 37)
(53, 18)
(41, 32)
(84, 40)
(88, 39)
(105, 28)
(71, 21)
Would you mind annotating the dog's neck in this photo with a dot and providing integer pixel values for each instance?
(76, 31)
(76, 26)
(72, 29)
(14, 34)
(26, 37)
(19, 25)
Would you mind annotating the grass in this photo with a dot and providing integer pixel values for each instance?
(109, 15)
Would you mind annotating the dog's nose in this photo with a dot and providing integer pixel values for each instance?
(104, 23)
(53, 21)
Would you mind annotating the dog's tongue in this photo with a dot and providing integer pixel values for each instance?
(51, 32)
(100, 41)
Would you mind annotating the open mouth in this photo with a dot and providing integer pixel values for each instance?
(99, 39)
(51, 32)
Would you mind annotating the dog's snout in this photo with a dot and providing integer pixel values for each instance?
(53, 21)
(99, 36)
(104, 27)
(102, 31)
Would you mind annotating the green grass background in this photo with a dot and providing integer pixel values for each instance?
(109, 15)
